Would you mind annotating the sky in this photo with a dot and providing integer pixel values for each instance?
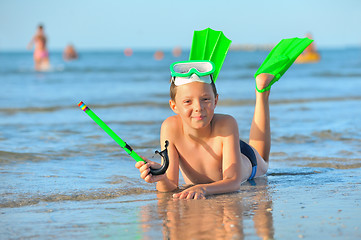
(164, 24)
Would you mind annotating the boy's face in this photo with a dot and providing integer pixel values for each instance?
(195, 103)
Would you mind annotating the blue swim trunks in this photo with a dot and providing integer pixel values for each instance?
(249, 153)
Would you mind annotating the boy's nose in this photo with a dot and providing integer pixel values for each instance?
(197, 106)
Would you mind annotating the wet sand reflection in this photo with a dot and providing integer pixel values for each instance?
(228, 216)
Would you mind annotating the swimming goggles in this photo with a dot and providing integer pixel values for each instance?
(191, 71)
(187, 68)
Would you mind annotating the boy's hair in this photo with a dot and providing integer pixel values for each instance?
(173, 88)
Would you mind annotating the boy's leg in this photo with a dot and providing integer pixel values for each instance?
(260, 134)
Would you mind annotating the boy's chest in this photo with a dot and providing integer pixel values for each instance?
(201, 162)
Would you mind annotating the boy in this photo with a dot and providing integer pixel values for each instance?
(206, 146)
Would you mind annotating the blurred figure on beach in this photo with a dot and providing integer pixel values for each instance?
(128, 52)
(41, 54)
(310, 54)
(158, 55)
(177, 51)
(70, 53)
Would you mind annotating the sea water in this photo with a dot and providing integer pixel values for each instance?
(62, 177)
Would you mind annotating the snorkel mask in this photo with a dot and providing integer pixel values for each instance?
(208, 51)
(184, 72)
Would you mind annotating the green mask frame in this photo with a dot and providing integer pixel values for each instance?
(187, 68)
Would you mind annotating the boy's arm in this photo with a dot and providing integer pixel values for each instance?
(171, 179)
(168, 181)
(234, 172)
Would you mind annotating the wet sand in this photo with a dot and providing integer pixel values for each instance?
(289, 203)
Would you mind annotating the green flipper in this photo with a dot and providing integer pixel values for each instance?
(281, 58)
(210, 45)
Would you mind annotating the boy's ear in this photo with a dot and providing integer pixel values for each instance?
(216, 100)
(173, 106)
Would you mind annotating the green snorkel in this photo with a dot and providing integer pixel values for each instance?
(124, 145)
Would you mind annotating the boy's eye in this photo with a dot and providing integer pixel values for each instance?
(187, 101)
(206, 99)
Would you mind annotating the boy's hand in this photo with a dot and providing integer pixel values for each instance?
(195, 192)
(144, 169)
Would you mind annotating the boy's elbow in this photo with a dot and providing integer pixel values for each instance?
(169, 187)
(234, 183)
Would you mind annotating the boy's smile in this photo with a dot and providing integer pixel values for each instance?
(195, 103)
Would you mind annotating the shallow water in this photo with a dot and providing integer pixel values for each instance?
(63, 177)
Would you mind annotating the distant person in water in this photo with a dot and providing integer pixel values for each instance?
(311, 47)
(41, 54)
(310, 54)
(69, 53)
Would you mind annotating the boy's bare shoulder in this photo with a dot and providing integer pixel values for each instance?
(223, 118)
(171, 123)
(224, 123)
(171, 120)
(171, 129)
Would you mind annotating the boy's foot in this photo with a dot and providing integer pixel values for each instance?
(263, 80)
